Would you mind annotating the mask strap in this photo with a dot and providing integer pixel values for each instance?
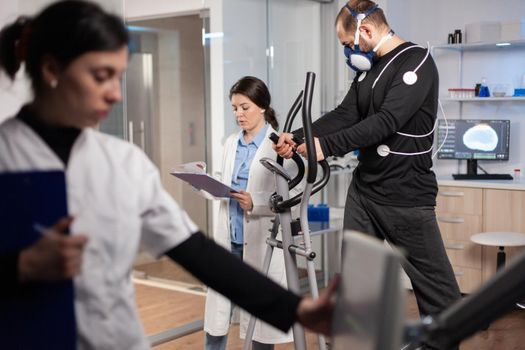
(383, 40)
(359, 17)
(354, 13)
(356, 36)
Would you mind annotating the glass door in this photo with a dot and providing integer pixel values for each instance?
(167, 107)
(293, 50)
(294, 28)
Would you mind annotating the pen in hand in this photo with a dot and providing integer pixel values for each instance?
(40, 228)
(55, 256)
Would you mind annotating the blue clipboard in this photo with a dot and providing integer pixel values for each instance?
(34, 315)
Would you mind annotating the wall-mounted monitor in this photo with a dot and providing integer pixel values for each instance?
(473, 140)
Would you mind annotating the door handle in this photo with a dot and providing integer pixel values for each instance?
(451, 219)
(130, 131)
(452, 194)
(455, 246)
(142, 136)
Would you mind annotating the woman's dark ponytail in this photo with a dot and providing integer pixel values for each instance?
(13, 46)
(271, 118)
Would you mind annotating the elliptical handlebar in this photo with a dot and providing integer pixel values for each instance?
(280, 203)
(307, 127)
(296, 180)
(304, 100)
(296, 106)
(296, 158)
(293, 112)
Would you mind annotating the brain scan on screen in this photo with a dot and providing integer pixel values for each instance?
(481, 137)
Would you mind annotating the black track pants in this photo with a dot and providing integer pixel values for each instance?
(415, 231)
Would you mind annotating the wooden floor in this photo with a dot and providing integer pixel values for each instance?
(161, 309)
(196, 341)
(168, 270)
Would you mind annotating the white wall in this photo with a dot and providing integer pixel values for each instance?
(12, 95)
(290, 32)
(427, 20)
(294, 34)
(245, 40)
(424, 20)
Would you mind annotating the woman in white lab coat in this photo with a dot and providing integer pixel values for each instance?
(245, 220)
(75, 55)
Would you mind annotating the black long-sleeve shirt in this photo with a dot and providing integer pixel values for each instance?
(239, 282)
(202, 257)
(370, 116)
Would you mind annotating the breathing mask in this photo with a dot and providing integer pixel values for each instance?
(356, 59)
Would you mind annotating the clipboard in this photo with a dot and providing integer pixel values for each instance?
(205, 182)
(37, 314)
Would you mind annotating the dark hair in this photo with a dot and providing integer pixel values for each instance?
(257, 91)
(63, 30)
(360, 6)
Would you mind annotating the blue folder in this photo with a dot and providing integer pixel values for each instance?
(34, 315)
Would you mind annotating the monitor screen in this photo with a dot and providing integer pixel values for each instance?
(474, 139)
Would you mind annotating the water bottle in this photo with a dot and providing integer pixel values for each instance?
(484, 89)
(457, 36)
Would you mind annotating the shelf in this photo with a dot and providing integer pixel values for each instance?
(516, 44)
(485, 99)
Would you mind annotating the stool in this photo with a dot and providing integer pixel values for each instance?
(501, 240)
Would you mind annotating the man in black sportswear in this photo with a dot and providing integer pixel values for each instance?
(393, 195)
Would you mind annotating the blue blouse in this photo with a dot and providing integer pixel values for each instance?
(241, 169)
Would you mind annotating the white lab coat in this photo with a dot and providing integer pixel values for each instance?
(261, 184)
(115, 195)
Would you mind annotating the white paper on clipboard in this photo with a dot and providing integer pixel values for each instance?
(194, 174)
